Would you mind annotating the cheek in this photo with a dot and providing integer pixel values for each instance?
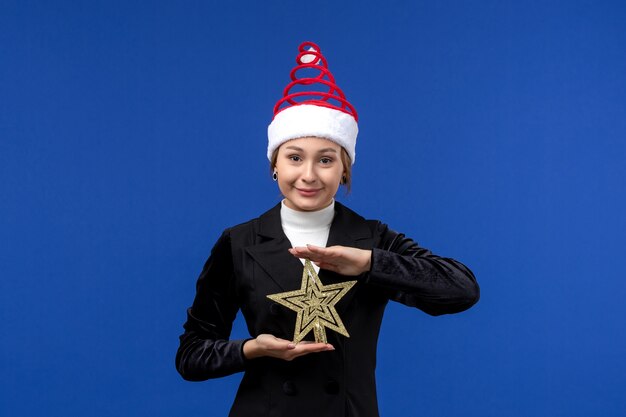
(282, 184)
(333, 176)
(285, 180)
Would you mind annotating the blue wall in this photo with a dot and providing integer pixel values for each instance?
(132, 133)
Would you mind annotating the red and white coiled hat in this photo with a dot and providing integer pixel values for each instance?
(313, 106)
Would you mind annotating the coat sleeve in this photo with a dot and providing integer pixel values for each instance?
(205, 350)
(414, 276)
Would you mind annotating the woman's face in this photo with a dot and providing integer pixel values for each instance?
(309, 172)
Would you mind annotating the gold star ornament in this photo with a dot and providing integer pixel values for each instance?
(315, 305)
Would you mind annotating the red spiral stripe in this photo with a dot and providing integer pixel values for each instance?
(324, 77)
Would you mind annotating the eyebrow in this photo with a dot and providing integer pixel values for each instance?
(296, 148)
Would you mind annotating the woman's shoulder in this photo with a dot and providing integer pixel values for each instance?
(377, 229)
(345, 213)
(263, 223)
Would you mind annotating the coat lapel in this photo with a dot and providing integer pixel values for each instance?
(272, 255)
(348, 228)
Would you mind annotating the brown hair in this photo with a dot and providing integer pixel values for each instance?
(345, 159)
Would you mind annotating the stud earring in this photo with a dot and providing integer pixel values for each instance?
(275, 176)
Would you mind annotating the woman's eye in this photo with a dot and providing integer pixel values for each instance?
(326, 160)
(295, 158)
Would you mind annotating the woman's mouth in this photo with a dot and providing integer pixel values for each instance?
(307, 192)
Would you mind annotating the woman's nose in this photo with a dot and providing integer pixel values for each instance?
(308, 173)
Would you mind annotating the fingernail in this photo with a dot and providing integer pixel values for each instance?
(291, 345)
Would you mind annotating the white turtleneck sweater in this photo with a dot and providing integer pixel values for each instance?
(307, 227)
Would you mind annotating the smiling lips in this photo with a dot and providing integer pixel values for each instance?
(307, 192)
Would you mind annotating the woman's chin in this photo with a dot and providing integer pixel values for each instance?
(306, 204)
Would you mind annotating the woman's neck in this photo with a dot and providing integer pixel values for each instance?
(307, 221)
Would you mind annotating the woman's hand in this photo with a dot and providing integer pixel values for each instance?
(268, 345)
(343, 260)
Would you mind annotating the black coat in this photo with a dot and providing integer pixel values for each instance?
(251, 260)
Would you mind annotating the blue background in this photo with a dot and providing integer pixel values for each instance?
(132, 133)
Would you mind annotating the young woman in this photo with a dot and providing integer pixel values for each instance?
(311, 151)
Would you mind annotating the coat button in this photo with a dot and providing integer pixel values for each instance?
(289, 388)
(332, 387)
(274, 309)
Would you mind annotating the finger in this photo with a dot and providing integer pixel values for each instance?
(300, 252)
(332, 252)
(300, 248)
(318, 253)
(306, 254)
(312, 347)
(317, 249)
(308, 349)
(310, 343)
